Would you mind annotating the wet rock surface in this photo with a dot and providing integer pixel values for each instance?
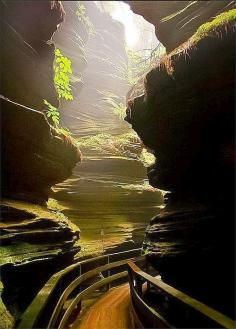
(35, 243)
(34, 155)
(186, 116)
(7, 320)
(27, 52)
(176, 21)
(32, 250)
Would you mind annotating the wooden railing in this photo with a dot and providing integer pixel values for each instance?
(170, 308)
(174, 310)
(46, 310)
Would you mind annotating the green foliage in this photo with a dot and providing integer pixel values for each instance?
(140, 62)
(64, 131)
(52, 112)
(117, 103)
(125, 145)
(54, 205)
(136, 66)
(62, 76)
(54, 115)
(82, 16)
(219, 21)
(147, 158)
(139, 187)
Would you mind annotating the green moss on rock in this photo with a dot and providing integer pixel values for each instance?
(219, 22)
(6, 319)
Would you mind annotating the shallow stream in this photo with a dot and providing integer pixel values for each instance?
(109, 198)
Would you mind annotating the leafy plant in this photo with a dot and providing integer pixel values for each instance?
(117, 103)
(82, 16)
(139, 63)
(52, 112)
(62, 75)
(64, 131)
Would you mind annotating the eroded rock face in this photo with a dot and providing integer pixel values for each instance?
(34, 155)
(186, 116)
(97, 51)
(35, 243)
(27, 52)
(176, 21)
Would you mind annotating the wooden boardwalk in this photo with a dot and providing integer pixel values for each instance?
(112, 311)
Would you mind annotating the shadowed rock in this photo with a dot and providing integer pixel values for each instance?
(34, 155)
(186, 116)
(32, 250)
(176, 21)
(27, 52)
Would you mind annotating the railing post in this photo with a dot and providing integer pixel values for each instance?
(139, 284)
(108, 273)
(80, 275)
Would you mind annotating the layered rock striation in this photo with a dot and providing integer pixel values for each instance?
(95, 43)
(27, 51)
(35, 156)
(35, 243)
(186, 116)
(176, 21)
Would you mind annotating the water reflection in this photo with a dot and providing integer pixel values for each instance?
(109, 199)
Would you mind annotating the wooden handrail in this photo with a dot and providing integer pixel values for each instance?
(86, 292)
(74, 284)
(157, 320)
(190, 302)
(34, 311)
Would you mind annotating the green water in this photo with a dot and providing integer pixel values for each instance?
(109, 198)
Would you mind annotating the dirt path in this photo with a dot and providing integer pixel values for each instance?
(110, 312)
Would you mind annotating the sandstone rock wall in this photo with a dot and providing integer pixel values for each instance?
(35, 243)
(27, 52)
(99, 56)
(176, 21)
(34, 156)
(186, 116)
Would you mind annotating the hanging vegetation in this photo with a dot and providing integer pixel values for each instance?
(62, 76)
(52, 112)
(83, 17)
(63, 73)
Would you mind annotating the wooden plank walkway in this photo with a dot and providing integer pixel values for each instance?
(112, 311)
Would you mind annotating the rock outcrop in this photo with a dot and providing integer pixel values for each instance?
(35, 156)
(35, 242)
(27, 52)
(186, 116)
(176, 21)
